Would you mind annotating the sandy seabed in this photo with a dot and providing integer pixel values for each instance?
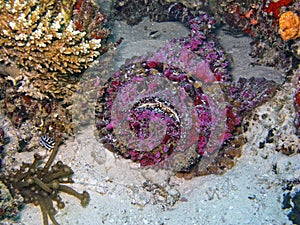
(250, 193)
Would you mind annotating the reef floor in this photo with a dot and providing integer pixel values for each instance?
(122, 193)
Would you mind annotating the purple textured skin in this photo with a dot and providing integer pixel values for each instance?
(176, 101)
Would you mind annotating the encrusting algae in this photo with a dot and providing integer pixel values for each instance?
(42, 185)
(41, 49)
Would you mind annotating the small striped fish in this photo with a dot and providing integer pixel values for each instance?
(47, 142)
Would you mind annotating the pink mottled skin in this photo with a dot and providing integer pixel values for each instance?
(157, 119)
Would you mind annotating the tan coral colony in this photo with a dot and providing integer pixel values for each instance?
(40, 47)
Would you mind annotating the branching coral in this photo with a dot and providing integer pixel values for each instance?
(42, 185)
(40, 46)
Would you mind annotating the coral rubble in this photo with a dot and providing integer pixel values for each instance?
(291, 200)
(158, 10)
(134, 11)
(42, 185)
(46, 116)
(274, 29)
(260, 20)
(272, 25)
(41, 50)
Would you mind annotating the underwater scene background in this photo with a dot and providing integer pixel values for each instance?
(149, 112)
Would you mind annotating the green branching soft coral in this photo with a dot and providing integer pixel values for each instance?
(42, 185)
